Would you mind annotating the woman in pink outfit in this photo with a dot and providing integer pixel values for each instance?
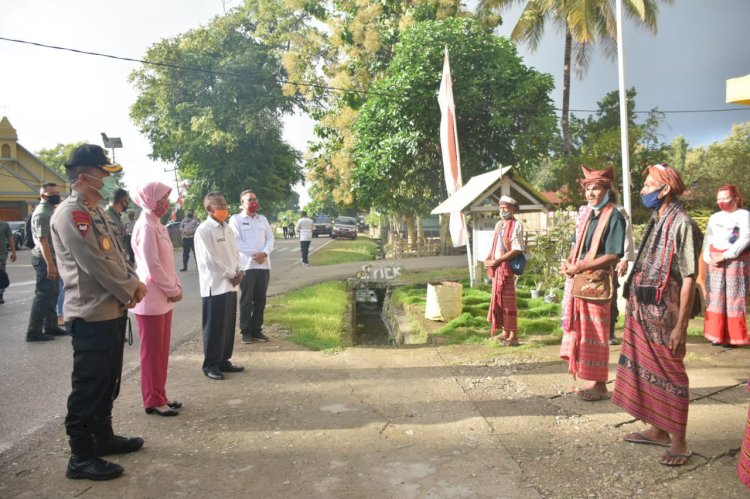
(155, 266)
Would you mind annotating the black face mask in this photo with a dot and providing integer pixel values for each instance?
(125, 206)
(53, 199)
(190, 215)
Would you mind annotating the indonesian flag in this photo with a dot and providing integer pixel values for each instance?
(177, 205)
(449, 146)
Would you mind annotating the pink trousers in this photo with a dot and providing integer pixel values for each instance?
(155, 332)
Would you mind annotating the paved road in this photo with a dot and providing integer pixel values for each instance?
(36, 376)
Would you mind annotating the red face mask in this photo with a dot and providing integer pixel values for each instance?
(252, 206)
(725, 205)
(161, 209)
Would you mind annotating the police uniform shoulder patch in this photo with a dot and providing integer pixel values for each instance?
(82, 221)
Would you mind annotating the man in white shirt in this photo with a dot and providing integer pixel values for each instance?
(219, 273)
(255, 242)
(305, 228)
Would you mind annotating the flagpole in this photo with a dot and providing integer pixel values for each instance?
(625, 152)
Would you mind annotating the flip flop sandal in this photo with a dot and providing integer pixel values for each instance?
(591, 395)
(643, 439)
(669, 455)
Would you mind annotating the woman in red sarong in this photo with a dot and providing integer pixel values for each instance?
(507, 243)
(725, 251)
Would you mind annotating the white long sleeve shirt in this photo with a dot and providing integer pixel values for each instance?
(720, 228)
(253, 235)
(217, 256)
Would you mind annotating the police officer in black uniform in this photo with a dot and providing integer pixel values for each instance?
(100, 285)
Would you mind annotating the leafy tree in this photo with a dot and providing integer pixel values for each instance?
(221, 123)
(56, 157)
(586, 23)
(503, 114)
(357, 47)
(679, 152)
(725, 162)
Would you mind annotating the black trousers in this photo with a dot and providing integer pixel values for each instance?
(613, 310)
(187, 247)
(253, 290)
(305, 247)
(126, 241)
(44, 306)
(97, 369)
(219, 319)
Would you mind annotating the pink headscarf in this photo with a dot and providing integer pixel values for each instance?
(147, 195)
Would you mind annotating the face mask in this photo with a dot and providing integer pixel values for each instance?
(53, 199)
(725, 205)
(161, 209)
(505, 215)
(651, 200)
(604, 201)
(109, 185)
(190, 215)
(125, 206)
(252, 206)
(220, 215)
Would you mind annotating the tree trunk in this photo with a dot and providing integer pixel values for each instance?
(411, 233)
(420, 235)
(566, 93)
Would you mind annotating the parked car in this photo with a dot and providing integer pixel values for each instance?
(19, 233)
(345, 227)
(323, 225)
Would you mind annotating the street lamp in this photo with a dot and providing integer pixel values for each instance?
(112, 143)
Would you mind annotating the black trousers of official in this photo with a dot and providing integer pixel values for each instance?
(219, 320)
(187, 247)
(43, 308)
(97, 369)
(613, 310)
(305, 247)
(253, 290)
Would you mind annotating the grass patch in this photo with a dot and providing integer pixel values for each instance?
(314, 315)
(362, 249)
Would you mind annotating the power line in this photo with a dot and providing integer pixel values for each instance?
(313, 85)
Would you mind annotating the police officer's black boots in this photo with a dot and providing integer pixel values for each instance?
(106, 442)
(83, 462)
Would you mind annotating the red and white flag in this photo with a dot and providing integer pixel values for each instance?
(449, 146)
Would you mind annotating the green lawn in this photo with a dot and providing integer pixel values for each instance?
(314, 315)
(361, 249)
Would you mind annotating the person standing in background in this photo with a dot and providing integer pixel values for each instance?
(219, 272)
(128, 227)
(725, 251)
(255, 241)
(154, 256)
(43, 316)
(6, 242)
(305, 227)
(188, 227)
(118, 204)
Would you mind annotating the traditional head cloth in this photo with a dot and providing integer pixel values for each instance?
(732, 189)
(602, 177)
(666, 175)
(507, 200)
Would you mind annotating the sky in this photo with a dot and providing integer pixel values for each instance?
(53, 96)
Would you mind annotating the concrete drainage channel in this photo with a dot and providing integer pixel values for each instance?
(373, 321)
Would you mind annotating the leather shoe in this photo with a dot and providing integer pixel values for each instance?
(231, 368)
(175, 404)
(116, 444)
(55, 331)
(213, 373)
(183, 270)
(246, 338)
(155, 410)
(92, 468)
(39, 337)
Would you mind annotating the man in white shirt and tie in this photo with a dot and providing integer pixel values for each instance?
(255, 242)
(219, 273)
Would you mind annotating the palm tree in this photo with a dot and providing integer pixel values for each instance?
(585, 22)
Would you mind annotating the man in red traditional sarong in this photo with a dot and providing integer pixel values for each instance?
(507, 244)
(652, 383)
(599, 245)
